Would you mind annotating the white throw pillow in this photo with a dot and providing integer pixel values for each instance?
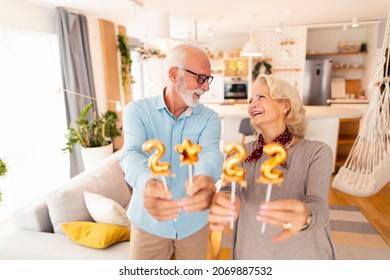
(105, 210)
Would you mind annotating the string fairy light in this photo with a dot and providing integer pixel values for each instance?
(118, 104)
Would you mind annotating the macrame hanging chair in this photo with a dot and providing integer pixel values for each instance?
(367, 168)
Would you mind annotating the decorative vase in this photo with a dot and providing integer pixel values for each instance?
(93, 156)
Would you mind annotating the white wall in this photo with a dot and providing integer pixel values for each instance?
(28, 15)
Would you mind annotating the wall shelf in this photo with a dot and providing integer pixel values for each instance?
(286, 69)
(335, 53)
(350, 69)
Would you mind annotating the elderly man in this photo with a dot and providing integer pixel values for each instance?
(174, 220)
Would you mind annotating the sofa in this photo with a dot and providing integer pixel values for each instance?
(63, 224)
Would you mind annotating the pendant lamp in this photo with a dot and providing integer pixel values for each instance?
(251, 48)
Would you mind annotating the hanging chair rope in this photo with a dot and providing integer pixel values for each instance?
(367, 168)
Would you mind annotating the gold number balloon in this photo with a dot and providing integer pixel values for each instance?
(188, 151)
(268, 174)
(231, 172)
(157, 168)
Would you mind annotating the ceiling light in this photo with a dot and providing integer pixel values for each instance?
(355, 22)
(251, 48)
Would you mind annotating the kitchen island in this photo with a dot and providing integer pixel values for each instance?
(324, 123)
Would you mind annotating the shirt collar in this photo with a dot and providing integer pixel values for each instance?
(190, 110)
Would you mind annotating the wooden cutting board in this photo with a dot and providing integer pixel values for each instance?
(352, 86)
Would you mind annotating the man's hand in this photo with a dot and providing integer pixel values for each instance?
(200, 194)
(158, 202)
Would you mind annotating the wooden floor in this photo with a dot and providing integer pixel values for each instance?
(375, 208)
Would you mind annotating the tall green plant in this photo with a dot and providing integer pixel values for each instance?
(125, 63)
(3, 171)
(95, 133)
(3, 168)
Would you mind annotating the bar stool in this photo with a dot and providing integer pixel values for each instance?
(245, 129)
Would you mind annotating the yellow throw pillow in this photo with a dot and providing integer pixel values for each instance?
(96, 235)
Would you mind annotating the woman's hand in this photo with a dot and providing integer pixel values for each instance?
(222, 210)
(290, 215)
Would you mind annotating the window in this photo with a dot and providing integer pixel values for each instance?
(32, 116)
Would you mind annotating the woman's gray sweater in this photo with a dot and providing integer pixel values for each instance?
(307, 178)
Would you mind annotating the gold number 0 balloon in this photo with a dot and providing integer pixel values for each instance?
(268, 174)
(157, 168)
(230, 169)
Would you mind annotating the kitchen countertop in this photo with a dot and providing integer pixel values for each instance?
(240, 111)
(348, 101)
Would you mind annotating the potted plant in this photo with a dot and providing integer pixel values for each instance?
(95, 136)
(3, 172)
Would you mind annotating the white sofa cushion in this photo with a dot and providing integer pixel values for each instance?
(66, 204)
(33, 216)
(105, 210)
(31, 245)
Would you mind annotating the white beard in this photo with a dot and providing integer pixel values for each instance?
(187, 94)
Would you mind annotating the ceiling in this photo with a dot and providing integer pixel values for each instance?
(193, 19)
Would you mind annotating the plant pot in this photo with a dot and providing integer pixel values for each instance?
(93, 156)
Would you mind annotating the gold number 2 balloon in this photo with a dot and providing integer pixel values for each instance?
(231, 172)
(157, 168)
(268, 173)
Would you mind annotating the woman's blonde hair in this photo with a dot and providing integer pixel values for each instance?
(281, 90)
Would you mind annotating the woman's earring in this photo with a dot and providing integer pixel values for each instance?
(284, 110)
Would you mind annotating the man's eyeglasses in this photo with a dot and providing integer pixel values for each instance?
(201, 78)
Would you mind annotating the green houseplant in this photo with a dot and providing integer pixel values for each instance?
(98, 132)
(125, 64)
(3, 168)
(3, 172)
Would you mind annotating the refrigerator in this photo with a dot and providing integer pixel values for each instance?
(317, 81)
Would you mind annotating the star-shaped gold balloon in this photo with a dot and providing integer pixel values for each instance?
(188, 151)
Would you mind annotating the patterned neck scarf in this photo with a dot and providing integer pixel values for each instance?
(284, 138)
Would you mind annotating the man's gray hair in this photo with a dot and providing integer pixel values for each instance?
(177, 57)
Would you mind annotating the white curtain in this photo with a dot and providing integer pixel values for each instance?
(32, 117)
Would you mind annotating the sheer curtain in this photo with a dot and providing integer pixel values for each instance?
(32, 116)
(77, 72)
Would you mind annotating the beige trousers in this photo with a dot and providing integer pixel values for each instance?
(146, 246)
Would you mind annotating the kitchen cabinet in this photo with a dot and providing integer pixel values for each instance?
(348, 128)
(348, 131)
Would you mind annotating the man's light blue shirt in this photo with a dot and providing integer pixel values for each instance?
(150, 119)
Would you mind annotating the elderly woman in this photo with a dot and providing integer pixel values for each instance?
(297, 214)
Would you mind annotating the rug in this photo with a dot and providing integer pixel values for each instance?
(354, 237)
